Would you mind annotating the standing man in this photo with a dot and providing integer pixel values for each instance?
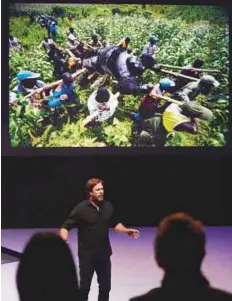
(93, 218)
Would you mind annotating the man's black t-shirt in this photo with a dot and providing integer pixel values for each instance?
(93, 228)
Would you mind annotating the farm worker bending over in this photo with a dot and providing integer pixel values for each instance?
(188, 70)
(190, 91)
(28, 81)
(101, 105)
(63, 93)
(154, 131)
(150, 104)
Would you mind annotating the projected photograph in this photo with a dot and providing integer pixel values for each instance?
(94, 75)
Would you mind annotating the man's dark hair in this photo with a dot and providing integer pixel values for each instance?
(179, 243)
(91, 183)
(67, 78)
(103, 95)
(198, 63)
(71, 29)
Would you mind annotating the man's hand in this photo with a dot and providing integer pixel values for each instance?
(104, 107)
(40, 90)
(133, 233)
(64, 97)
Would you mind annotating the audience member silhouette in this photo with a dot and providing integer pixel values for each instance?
(46, 271)
(179, 250)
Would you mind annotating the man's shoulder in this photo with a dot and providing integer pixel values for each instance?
(219, 294)
(189, 87)
(212, 294)
(80, 205)
(150, 295)
(108, 203)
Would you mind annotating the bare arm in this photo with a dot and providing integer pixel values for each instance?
(64, 234)
(120, 228)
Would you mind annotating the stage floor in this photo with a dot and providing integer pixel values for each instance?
(134, 270)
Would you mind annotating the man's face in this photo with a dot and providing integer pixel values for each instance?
(206, 89)
(97, 193)
(30, 82)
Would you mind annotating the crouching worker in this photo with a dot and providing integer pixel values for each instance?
(101, 105)
(155, 130)
(64, 93)
(28, 81)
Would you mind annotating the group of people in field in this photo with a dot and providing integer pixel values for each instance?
(165, 107)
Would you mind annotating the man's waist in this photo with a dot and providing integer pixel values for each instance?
(99, 252)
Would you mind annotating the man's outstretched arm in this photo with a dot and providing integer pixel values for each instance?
(123, 230)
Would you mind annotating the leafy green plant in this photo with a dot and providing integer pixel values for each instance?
(183, 32)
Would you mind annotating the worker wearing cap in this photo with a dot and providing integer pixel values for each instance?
(150, 103)
(189, 92)
(148, 55)
(63, 93)
(28, 81)
(150, 48)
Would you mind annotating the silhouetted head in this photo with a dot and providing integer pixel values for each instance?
(179, 243)
(46, 270)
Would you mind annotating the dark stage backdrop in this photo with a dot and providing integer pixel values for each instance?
(41, 191)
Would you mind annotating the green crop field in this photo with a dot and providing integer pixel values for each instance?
(183, 32)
